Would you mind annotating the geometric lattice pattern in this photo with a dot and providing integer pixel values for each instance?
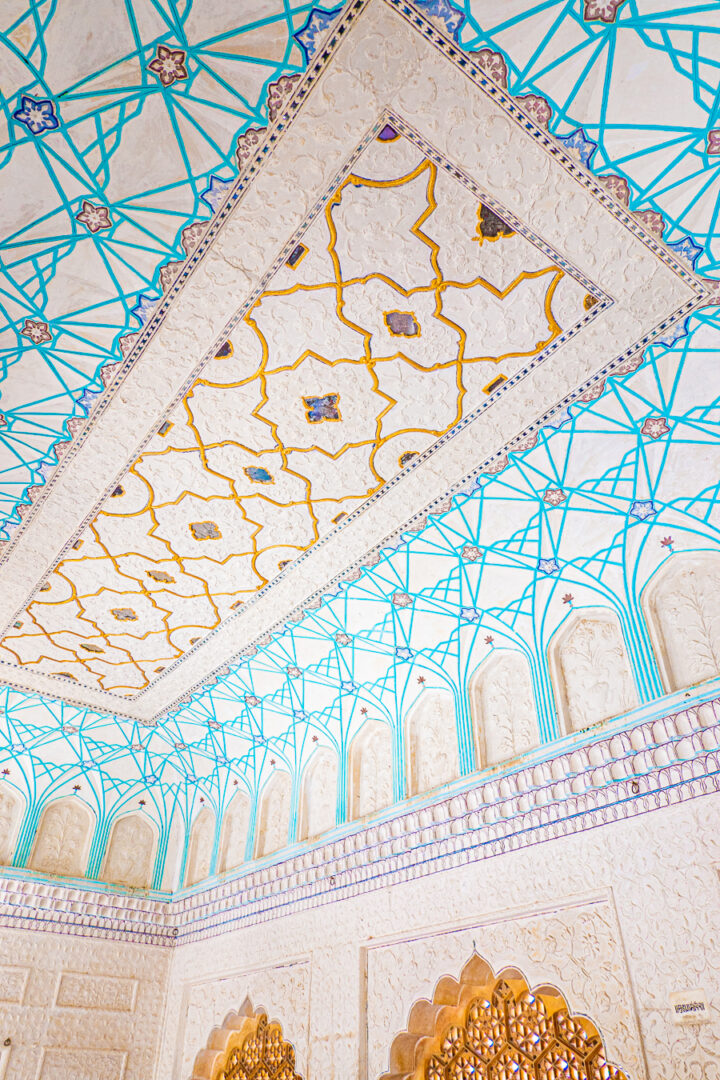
(514, 1034)
(635, 493)
(263, 1056)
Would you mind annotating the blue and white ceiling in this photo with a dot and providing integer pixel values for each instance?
(119, 125)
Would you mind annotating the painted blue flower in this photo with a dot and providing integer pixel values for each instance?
(676, 332)
(548, 566)
(37, 115)
(258, 475)
(348, 686)
(687, 250)
(470, 614)
(444, 12)
(214, 195)
(315, 25)
(578, 146)
(562, 416)
(300, 714)
(144, 308)
(322, 408)
(403, 653)
(643, 509)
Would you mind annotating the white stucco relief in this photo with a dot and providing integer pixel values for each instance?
(370, 770)
(10, 811)
(130, 852)
(274, 814)
(318, 810)
(233, 836)
(682, 605)
(590, 669)
(200, 849)
(63, 839)
(432, 746)
(503, 708)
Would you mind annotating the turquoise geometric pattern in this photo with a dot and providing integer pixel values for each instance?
(612, 490)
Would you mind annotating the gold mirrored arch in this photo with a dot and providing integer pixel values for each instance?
(248, 1046)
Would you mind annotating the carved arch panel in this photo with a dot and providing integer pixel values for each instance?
(432, 743)
(248, 1046)
(274, 814)
(130, 853)
(502, 706)
(497, 1028)
(200, 848)
(318, 800)
(590, 669)
(370, 770)
(62, 841)
(682, 607)
(234, 832)
(11, 808)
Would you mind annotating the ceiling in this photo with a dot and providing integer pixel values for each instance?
(359, 469)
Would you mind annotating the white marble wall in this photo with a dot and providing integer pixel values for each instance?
(618, 917)
(78, 1008)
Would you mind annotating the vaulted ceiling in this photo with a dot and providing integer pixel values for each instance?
(317, 388)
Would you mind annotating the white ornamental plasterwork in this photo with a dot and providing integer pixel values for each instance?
(381, 59)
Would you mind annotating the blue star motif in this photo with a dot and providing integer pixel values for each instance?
(214, 194)
(562, 416)
(299, 714)
(578, 146)
(37, 115)
(403, 653)
(643, 509)
(321, 408)
(548, 566)
(674, 334)
(317, 22)
(144, 308)
(470, 614)
(348, 687)
(687, 250)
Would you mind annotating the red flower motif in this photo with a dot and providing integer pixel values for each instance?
(667, 542)
(37, 331)
(554, 496)
(489, 639)
(601, 10)
(568, 598)
(94, 217)
(169, 65)
(713, 141)
(655, 426)
(421, 678)
(653, 222)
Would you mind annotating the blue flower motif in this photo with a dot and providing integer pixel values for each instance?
(578, 146)
(37, 115)
(687, 250)
(322, 408)
(470, 614)
(258, 475)
(144, 308)
(214, 195)
(299, 714)
(348, 686)
(643, 509)
(548, 566)
(315, 25)
(445, 12)
(562, 416)
(674, 334)
(403, 653)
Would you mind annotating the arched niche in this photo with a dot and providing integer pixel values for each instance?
(130, 853)
(682, 609)
(371, 770)
(486, 1025)
(200, 848)
(62, 841)
(234, 833)
(431, 742)
(274, 814)
(502, 706)
(11, 808)
(590, 669)
(173, 853)
(247, 1046)
(318, 799)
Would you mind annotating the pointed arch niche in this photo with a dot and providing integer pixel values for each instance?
(130, 853)
(318, 800)
(200, 848)
(487, 1025)
(502, 706)
(274, 814)
(590, 669)
(431, 742)
(11, 809)
(247, 1046)
(234, 833)
(370, 770)
(682, 608)
(62, 841)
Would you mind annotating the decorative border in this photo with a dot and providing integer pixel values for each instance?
(585, 781)
(521, 114)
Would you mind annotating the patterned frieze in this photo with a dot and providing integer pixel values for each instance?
(665, 759)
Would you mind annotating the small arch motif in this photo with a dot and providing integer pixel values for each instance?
(247, 1047)
(497, 1028)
